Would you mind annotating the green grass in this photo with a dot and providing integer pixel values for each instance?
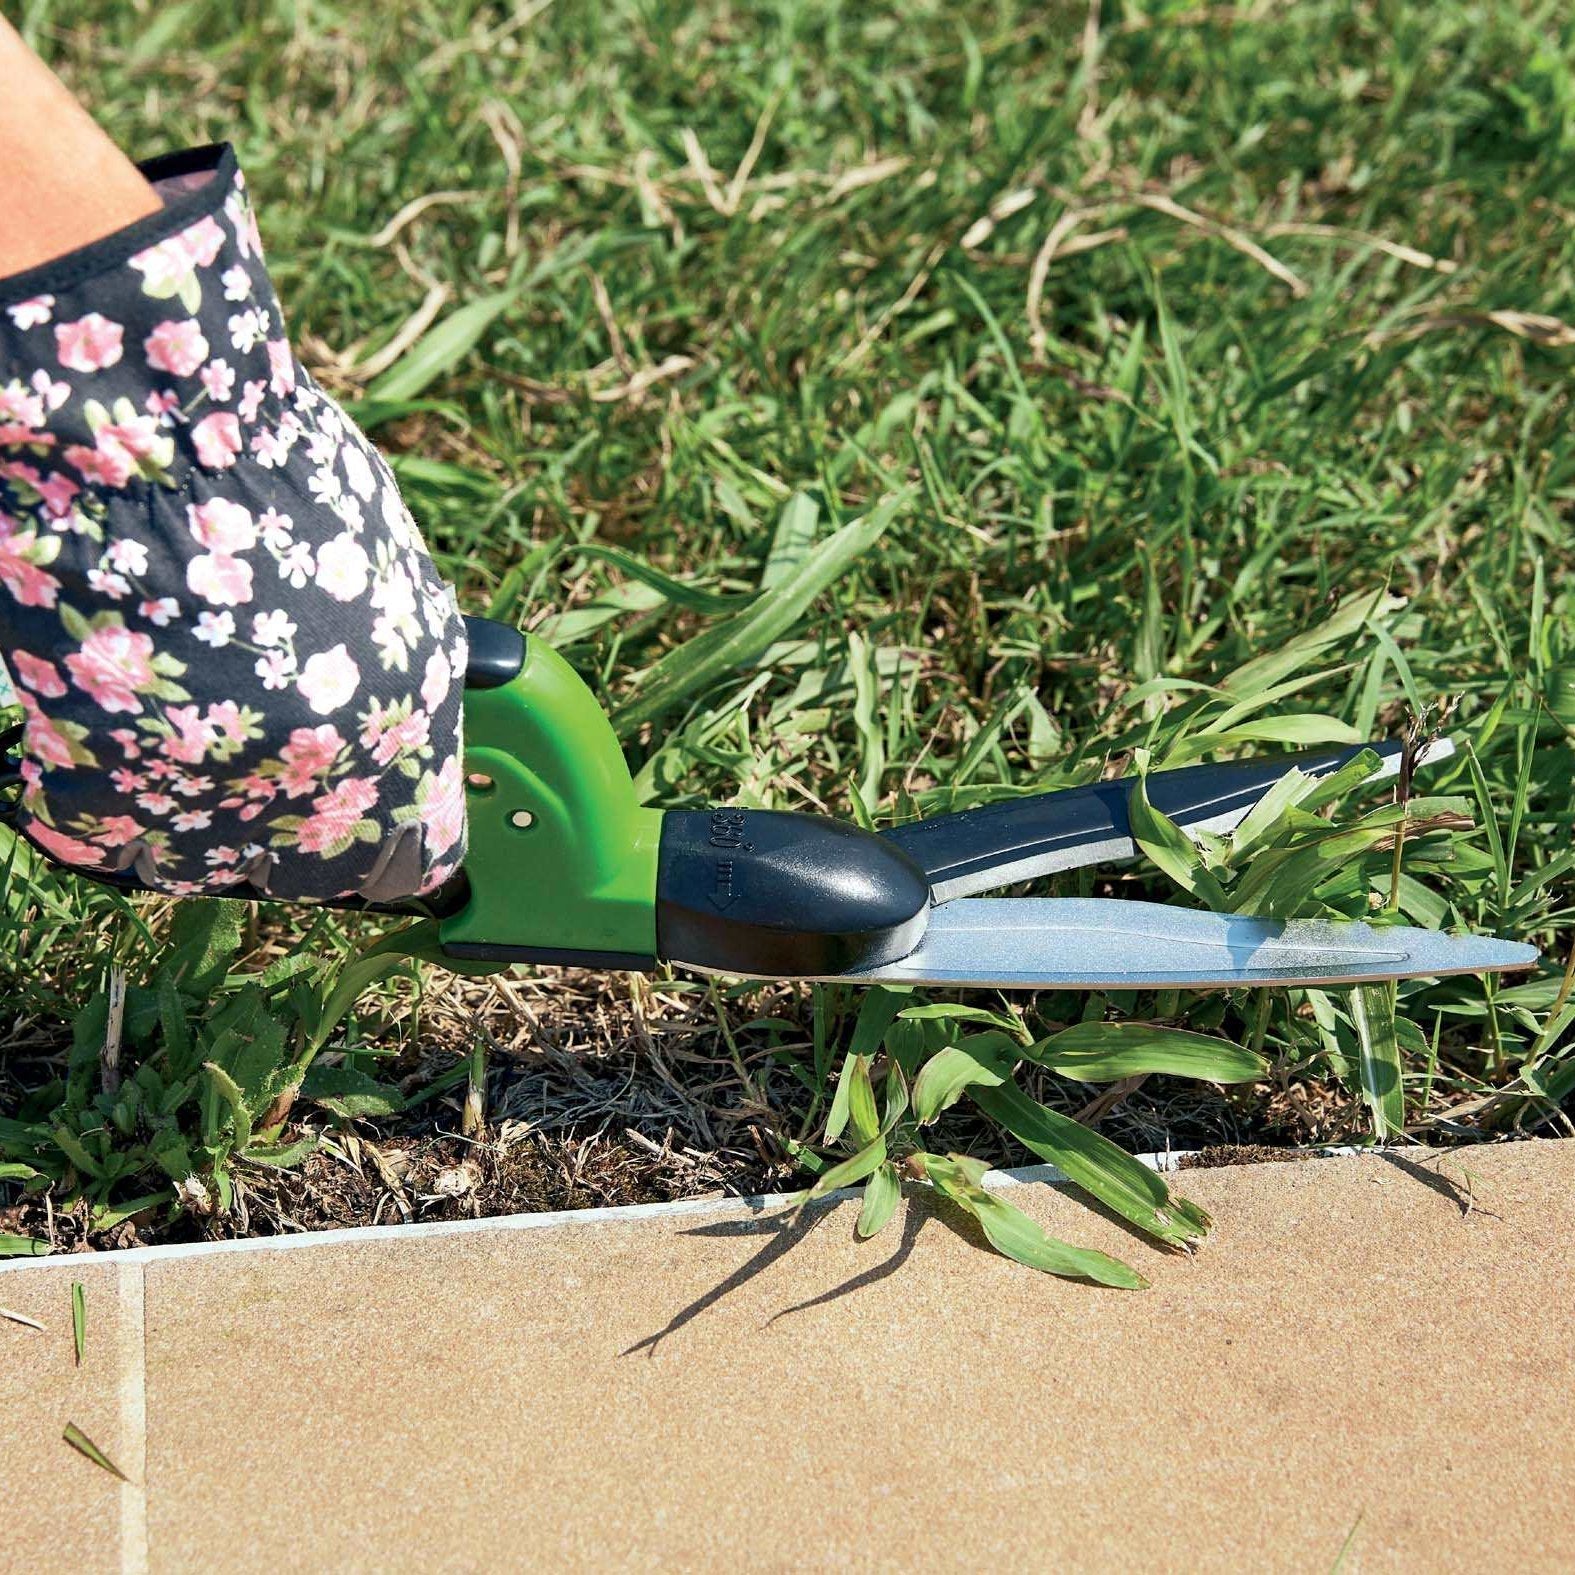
(1159, 343)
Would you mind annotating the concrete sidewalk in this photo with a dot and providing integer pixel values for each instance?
(1371, 1356)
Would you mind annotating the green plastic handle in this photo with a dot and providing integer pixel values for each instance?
(562, 855)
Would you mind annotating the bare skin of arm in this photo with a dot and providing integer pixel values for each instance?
(63, 183)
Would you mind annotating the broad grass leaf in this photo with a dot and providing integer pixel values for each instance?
(1012, 1232)
(575, 624)
(78, 1319)
(440, 349)
(419, 474)
(792, 540)
(356, 975)
(1171, 848)
(876, 1013)
(895, 1105)
(1261, 700)
(862, 1114)
(23, 1247)
(958, 1012)
(844, 1174)
(1338, 783)
(1340, 627)
(1279, 881)
(1020, 1238)
(1495, 838)
(1095, 1164)
(985, 1058)
(862, 667)
(1267, 817)
(837, 1116)
(881, 1194)
(423, 942)
(1378, 1057)
(736, 641)
(1550, 1080)
(679, 592)
(909, 1041)
(1106, 1052)
(1305, 729)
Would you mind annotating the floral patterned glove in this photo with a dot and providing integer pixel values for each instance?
(236, 660)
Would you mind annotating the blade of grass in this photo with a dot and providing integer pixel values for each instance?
(1378, 1061)
(84, 1445)
(440, 349)
(730, 645)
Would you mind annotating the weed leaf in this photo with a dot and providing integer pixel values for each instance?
(1106, 1052)
(347, 1091)
(1013, 1233)
(985, 1058)
(1096, 1164)
(855, 1168)
(881, 1194)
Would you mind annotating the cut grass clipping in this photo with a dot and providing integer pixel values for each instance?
(890, 410)
(84, 1445)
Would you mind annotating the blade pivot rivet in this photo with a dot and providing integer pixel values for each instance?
(522, 819)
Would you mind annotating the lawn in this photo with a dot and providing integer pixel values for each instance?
(1209, 369)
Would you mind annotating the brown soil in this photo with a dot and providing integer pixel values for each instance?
(353, 1181)
(1224, 1154)
(605, 1091)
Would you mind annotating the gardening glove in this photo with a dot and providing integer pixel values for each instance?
(238, 666)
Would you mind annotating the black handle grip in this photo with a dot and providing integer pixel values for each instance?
(497, 652)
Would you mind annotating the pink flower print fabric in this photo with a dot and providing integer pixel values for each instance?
(237, 665)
